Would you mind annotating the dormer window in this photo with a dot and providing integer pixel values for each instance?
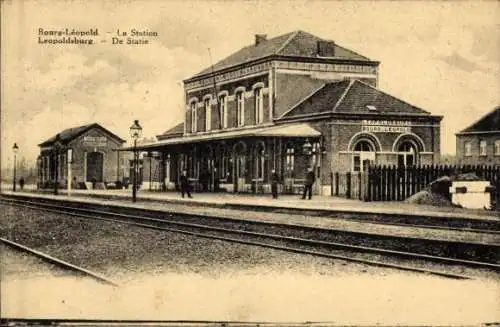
(371, 107)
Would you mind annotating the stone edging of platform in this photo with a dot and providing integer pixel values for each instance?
(300, 210)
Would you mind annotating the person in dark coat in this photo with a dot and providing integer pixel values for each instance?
(21, 183)
(274, 183)
(310, 179)
(185, 184)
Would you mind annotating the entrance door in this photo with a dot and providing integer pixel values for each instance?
(95, 161)
(240, 170)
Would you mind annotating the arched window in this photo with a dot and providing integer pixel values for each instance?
(258, 105)
(194, 116)
(240, 108)
(260, 161)
(497, 147)
(364, 153)
(208, 114)
(407, 154)
(223, 110)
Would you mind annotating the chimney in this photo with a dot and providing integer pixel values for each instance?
(326, 48)
(259, 38)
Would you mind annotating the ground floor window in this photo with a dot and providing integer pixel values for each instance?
(290, 159)
(364, 154)
(407, 155)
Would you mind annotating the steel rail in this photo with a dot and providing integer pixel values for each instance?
(58, 262)
(274, 237)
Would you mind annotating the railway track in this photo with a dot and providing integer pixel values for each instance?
(315, 241)
(58, 262)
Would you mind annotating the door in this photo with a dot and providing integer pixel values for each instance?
(95, 162)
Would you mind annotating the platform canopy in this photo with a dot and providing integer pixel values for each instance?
(288, 130)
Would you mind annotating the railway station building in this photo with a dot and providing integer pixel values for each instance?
(89, 151)
(479, 143)
(285, 104)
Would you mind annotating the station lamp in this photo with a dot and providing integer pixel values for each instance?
(15, 149)
(135, 133)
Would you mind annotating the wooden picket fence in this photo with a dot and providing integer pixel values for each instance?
(390, 183)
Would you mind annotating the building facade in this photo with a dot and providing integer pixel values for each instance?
(289, 103)
(479, 144)
(94, 155)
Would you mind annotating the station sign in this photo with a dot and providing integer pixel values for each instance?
(95, 141)
(386, 126)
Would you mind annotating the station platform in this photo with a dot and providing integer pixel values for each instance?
(319, 212)
(319, 205)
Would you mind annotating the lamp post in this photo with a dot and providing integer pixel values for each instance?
(70, 161)
(135, 133)
(15, 148)
(57, 145)
(39, 171)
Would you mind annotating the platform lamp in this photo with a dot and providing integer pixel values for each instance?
(70, 161)
(135, 133)
(15, 149)
(57, 146)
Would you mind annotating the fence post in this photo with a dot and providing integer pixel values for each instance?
(331, 183)
(348, 185)
(337, 183)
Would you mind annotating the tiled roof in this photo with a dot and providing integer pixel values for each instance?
(174, 131)
(352, 97)
(298, 44)
(70, 134)
(489, 123)
(361, 96)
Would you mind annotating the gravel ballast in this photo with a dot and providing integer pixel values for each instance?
(116, 249)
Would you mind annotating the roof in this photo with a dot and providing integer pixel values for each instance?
(488, 123)
(352, 96)
(174, 131)
(72, 133)
(288, 130)
(296, 44)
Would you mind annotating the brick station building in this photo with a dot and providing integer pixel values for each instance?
(479, 144)
(287, 103)
(94, 157)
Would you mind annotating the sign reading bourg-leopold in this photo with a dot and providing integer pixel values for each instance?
(386, 126)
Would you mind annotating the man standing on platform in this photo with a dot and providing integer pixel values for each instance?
(274, 183)
(185, 184)
(310, 178)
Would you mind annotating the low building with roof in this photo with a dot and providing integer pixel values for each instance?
(479, 144)
(288, 103)
(93, 153)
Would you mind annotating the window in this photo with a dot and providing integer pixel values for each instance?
(290, 159)
(260, 161)
(259, 105)
(240, 108)
(363, 155)
(223, 110)
(482, 148)
(194, 118)
(468, 149)
(208, 114)
(407, 156)
(497, 147)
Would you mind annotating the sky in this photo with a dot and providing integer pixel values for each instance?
(440, 56)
